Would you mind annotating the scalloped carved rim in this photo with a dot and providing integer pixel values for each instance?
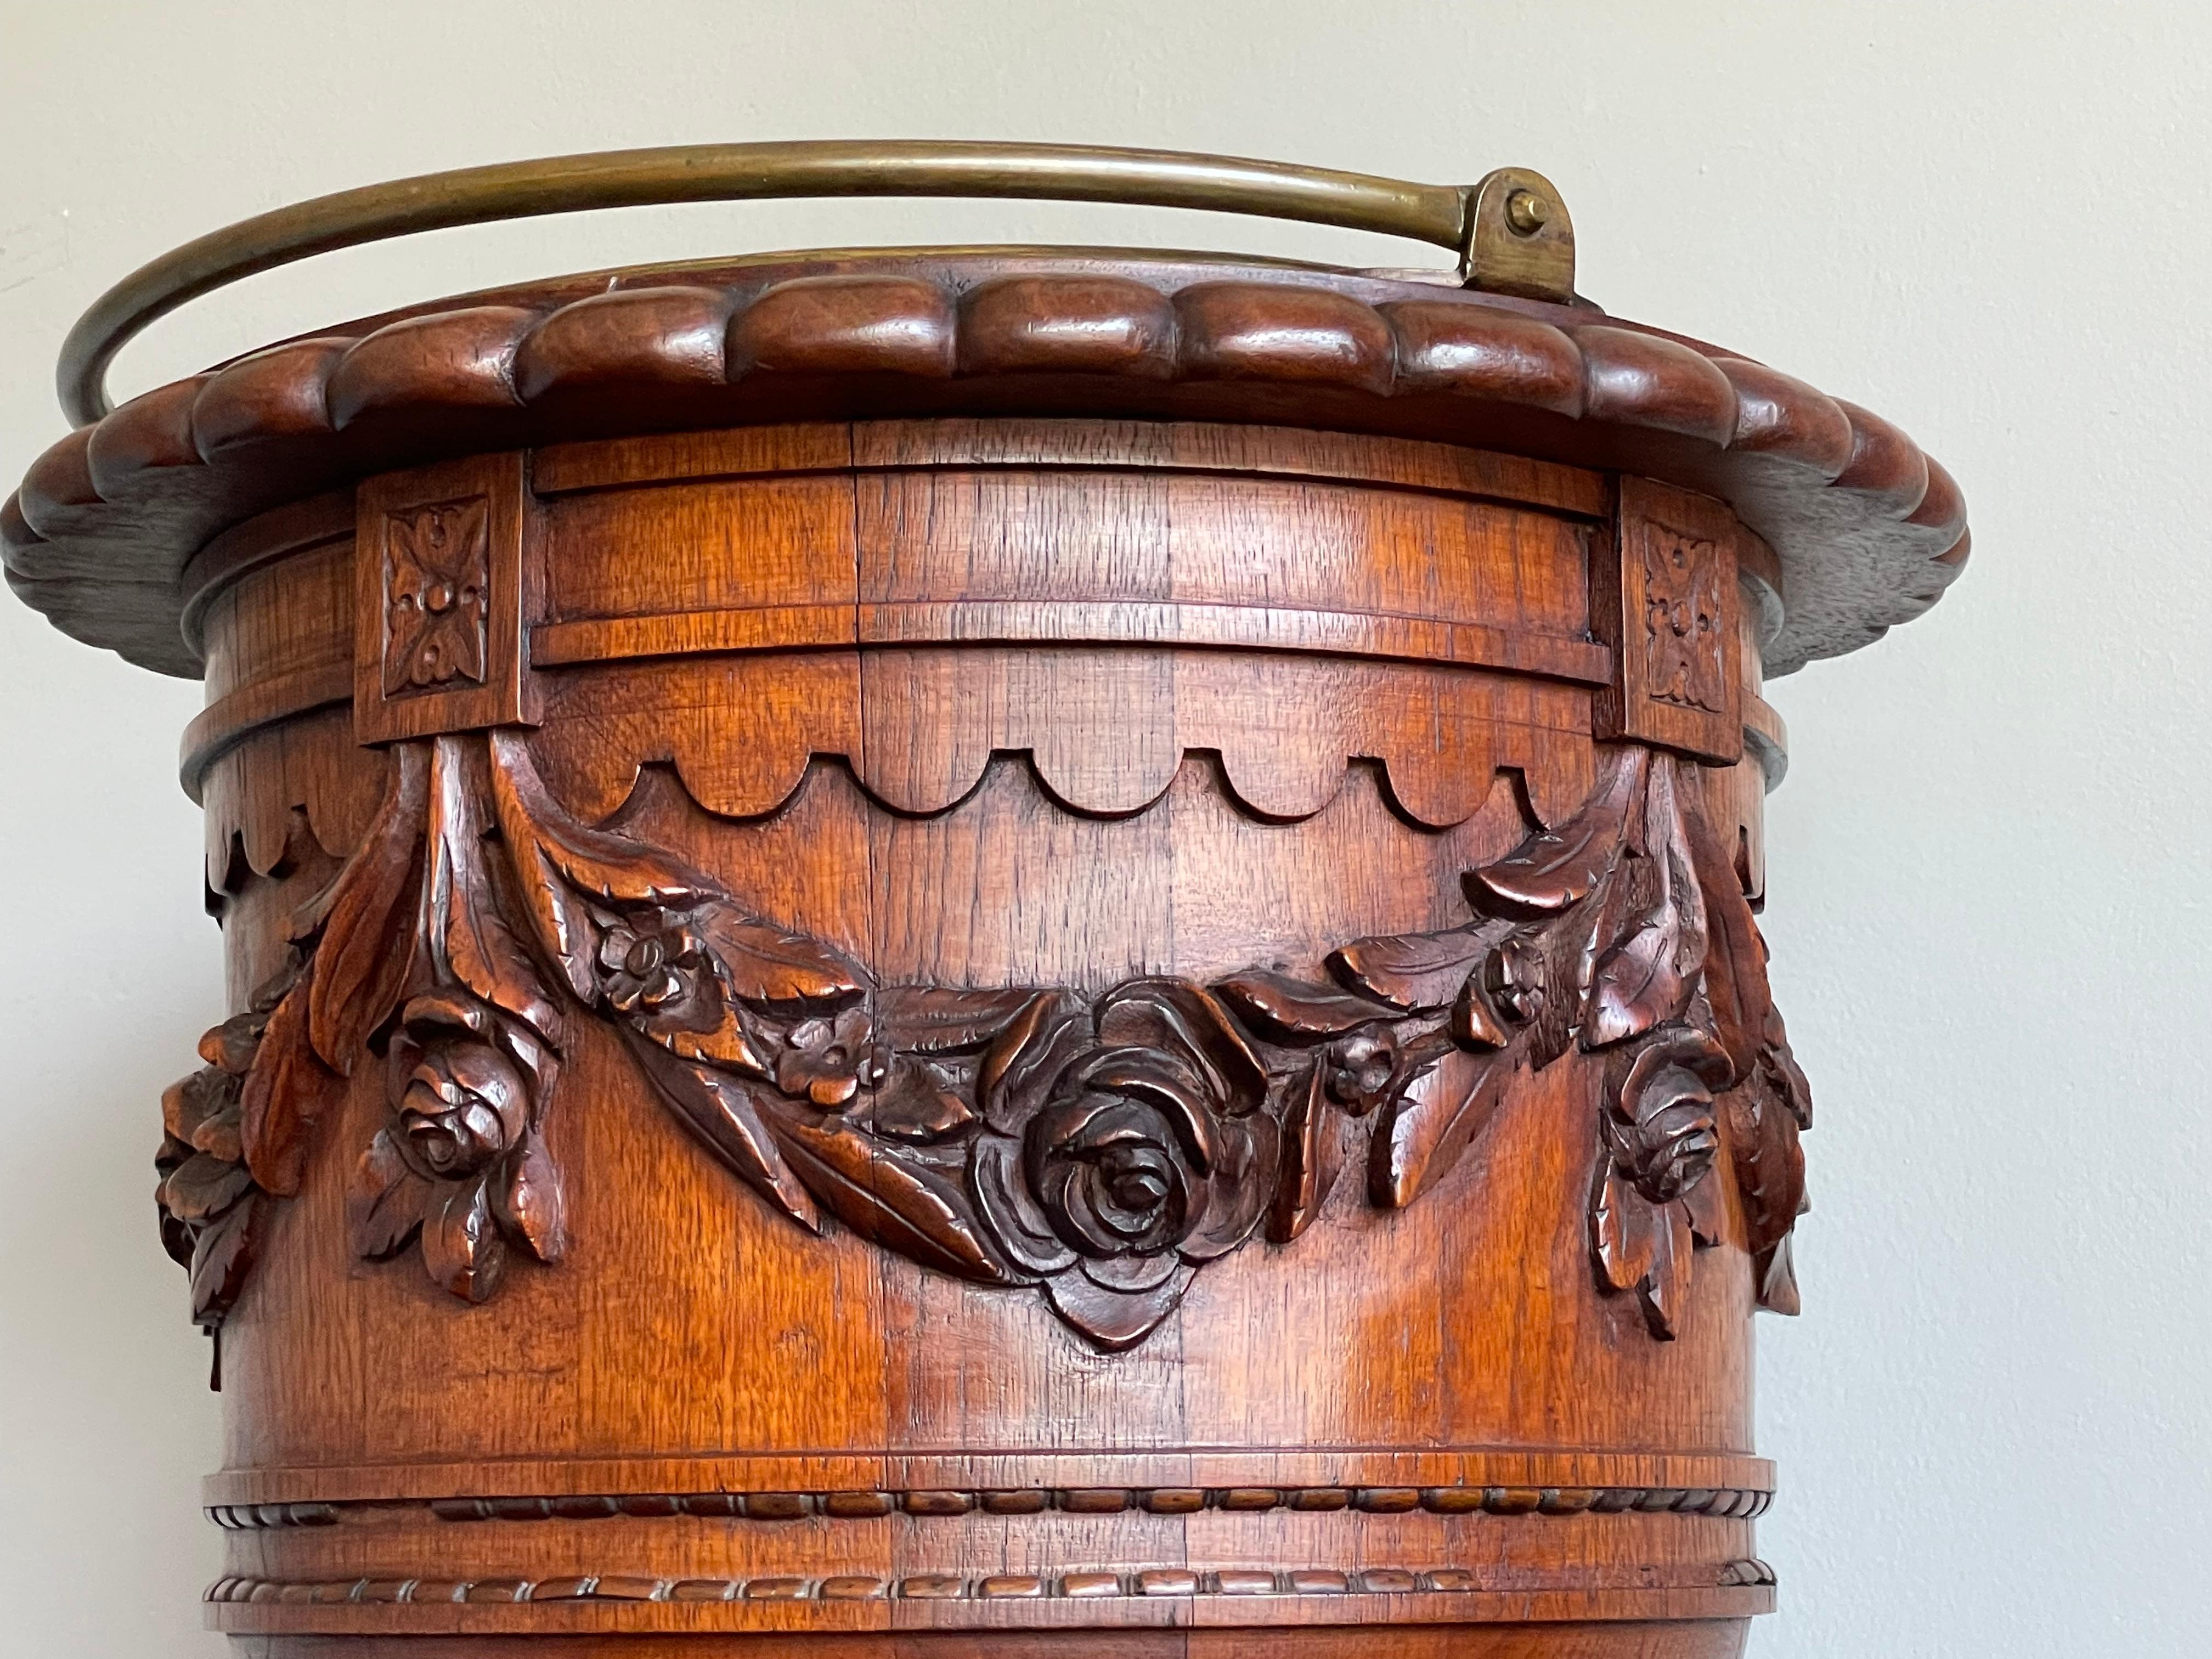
(1868, 530)
(742, 755)
(1099, 1151)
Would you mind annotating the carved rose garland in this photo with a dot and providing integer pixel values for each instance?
(1100, 1148)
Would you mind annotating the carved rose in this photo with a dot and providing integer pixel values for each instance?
(463, 1104)
(1142, 1144)
(461, 1165)
(208, 1203)
(1662, 1136)
(1122, 1161)
(655, 968)
(1125, 1143)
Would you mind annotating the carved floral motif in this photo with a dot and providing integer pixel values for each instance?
(438, 576)
(1100, 1148)
(470, 1060)
(1684, 664)
(209, 1205)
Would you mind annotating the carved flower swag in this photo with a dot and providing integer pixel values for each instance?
(1100, 1148)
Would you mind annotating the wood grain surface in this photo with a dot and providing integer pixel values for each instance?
(1867, 529)
(1144, 1036)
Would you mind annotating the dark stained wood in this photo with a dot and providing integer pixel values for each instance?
(445, 600)
(1868, 530)
(981, 952)
(1666, 604)
(988, 952)
(846, 1131)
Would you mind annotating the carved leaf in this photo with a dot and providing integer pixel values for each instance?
(1114, 1320)
(283, 1094)
(723, 1113)
(1474, 1022)
(1310, 1159)
(918, 1102)
(203, 1186)
(728, 1047)
(1768, 1159)
(601, 862)
(529, 1203)
(1414, 971)
(359, 971)
(1708, 1211)
(1735, 958)
(932, 1020)
(1781, 1063)
(1667, 1285)
(1775, 1273)
(560, 920)
(1566, 948)
(1558, 868)
(385, 1201)
(900, 1204)
(478, 946)
(1438, 1109)
(1650, 977)
(1621, 1228)
(1296, 1010)
(532, 822)
(222, 1257)
(461, 1245)
(770, 968)
(192, 1102)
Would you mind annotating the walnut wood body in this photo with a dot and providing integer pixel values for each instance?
(989, 703)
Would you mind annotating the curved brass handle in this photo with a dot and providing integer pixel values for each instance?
(1512, 231)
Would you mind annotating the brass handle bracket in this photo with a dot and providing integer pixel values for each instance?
(1519, 238)
(1511, 231)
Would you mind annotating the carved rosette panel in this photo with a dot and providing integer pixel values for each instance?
(1098, 1150)
(437, 582)
(1667, 606)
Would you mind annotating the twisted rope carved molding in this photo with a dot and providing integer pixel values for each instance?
(1100, 1150)
(1869, 530)
(1739, 1503)
(1178, 1582)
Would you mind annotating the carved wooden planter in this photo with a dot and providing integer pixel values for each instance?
(945, 943)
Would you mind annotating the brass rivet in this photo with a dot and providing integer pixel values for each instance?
(1526, 212)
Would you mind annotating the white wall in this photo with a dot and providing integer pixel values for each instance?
(1989, 916)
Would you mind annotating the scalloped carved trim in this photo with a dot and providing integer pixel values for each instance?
(1868, 531)
(741, 734)
(308, 770)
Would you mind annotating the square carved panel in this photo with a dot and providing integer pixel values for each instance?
(1667, 604)
(444, 598)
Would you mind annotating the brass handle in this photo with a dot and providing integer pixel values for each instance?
(1511, 231)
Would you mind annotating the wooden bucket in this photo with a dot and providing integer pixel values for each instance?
(963, 952)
